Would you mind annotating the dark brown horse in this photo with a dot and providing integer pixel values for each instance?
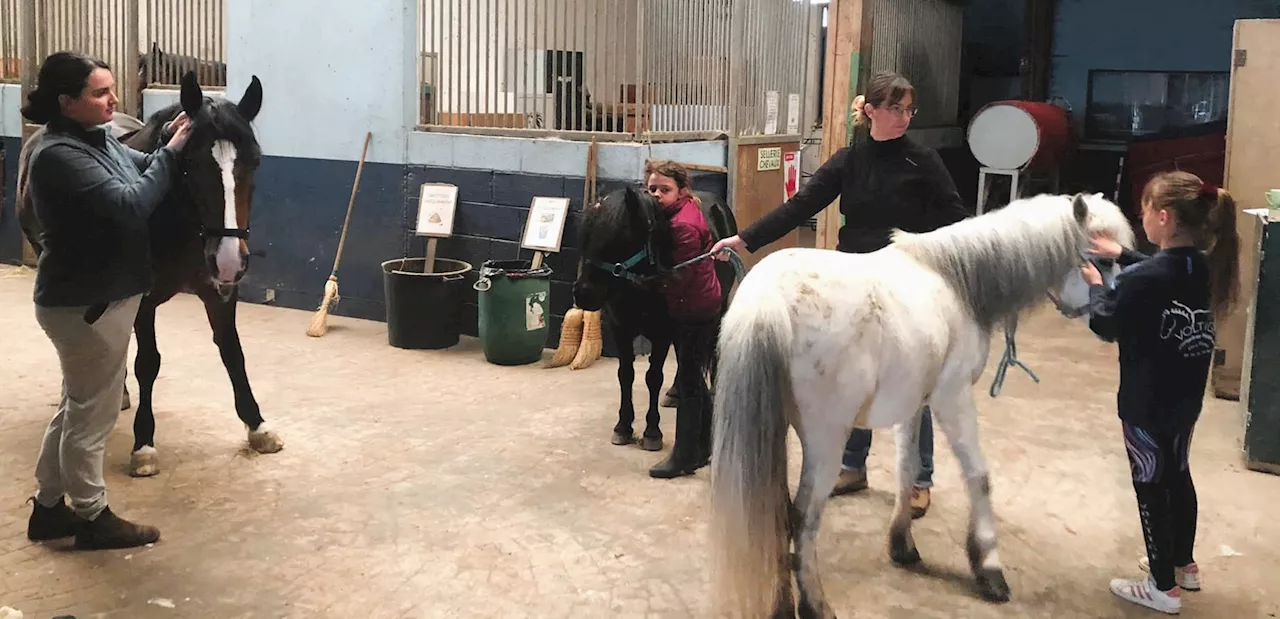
(199, 244)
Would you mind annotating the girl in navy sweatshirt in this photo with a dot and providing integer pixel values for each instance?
(1162, 313)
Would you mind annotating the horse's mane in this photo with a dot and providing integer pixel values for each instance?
(1003, 262)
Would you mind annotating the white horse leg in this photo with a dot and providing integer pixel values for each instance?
(902, 548)
(818, 473)
(958, 418)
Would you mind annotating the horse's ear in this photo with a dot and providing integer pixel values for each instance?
(192, 97)
(251, 103)
(1079, 208)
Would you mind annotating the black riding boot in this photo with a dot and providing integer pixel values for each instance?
(684, 456)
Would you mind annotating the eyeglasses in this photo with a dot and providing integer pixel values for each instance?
(910, 112)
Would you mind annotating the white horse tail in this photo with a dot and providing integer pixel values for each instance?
(750, 500)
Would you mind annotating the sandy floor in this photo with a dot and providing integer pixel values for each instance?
(432, 484)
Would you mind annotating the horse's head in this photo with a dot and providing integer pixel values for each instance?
(624, 239)
(1100, 215)
(219, 163)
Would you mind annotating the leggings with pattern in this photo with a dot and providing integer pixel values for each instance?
(1158, 459)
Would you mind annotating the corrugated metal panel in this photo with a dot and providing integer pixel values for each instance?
(921, 39)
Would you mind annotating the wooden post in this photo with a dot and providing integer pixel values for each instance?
(847, 69)
(1037, 49)
(429, 264)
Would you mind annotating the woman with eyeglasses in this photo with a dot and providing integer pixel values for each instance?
(885, 180)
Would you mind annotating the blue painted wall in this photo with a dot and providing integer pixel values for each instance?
(1194, 35)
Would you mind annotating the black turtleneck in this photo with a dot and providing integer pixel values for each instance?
(92, 197)
(882, 185)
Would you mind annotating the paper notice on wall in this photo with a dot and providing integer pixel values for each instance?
(790, 174)
(793, 113)
(771, 112)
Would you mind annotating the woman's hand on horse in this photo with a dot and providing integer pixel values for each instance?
(1090, 274)
(181, 128)
(1103, 246)
(734, 242)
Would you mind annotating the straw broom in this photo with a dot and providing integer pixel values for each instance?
(319, 325)
(570, 339)
(592, 342)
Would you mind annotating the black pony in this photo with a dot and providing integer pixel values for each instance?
(627, 246)
(198, 241)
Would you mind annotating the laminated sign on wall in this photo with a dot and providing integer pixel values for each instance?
(790, 174)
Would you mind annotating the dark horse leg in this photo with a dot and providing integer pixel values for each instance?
(623, 434)
(222, 318)
(143, 461)
(671, 399)
(653, 380)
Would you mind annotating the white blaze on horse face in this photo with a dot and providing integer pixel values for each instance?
(228, 258)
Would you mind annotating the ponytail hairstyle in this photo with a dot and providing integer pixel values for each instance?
(886, 88)
(675, 172)
(1206, 213)
(62, 73)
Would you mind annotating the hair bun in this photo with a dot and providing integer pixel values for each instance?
(858, 102)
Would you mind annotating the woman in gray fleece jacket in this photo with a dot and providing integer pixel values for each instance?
(92, 197)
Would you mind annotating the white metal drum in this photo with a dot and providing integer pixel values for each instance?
(1004, 137)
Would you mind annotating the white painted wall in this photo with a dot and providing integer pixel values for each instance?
(327, 80)
(10, 111)
(623, 161)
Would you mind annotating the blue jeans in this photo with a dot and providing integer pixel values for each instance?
(859, 445)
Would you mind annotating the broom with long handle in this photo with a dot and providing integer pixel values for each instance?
(319, 324)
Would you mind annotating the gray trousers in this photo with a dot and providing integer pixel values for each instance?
(93, 358)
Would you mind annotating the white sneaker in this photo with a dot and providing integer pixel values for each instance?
(1187, 577)
(1144, 592)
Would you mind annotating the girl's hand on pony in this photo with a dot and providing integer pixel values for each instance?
(1090, 274)
(1103, 246)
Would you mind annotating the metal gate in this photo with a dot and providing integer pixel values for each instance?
(107, 29)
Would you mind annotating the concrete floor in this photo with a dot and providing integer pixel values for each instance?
(432, 484)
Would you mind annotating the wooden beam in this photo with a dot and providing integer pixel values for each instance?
(848, 68)
(696, 167)
(1037, 49)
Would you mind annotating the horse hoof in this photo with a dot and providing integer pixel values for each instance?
(669, 401)
(623, 438)
(265, 441)
(993, 586)
(125, 402)
(144, 463)
(651, 443)
(900, 553)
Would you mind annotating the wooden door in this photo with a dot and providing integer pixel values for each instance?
(1253, 167)
(759, 187)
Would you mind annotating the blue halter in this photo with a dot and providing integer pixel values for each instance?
(623, 269)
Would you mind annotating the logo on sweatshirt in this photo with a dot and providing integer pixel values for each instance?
(1192, 329)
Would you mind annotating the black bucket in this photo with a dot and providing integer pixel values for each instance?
(424, 310)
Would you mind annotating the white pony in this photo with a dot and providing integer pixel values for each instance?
(826, 341)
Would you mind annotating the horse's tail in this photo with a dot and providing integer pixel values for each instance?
(749, 494)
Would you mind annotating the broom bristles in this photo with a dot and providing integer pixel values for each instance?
(592, 342)
(319, 322)
(570, 338)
